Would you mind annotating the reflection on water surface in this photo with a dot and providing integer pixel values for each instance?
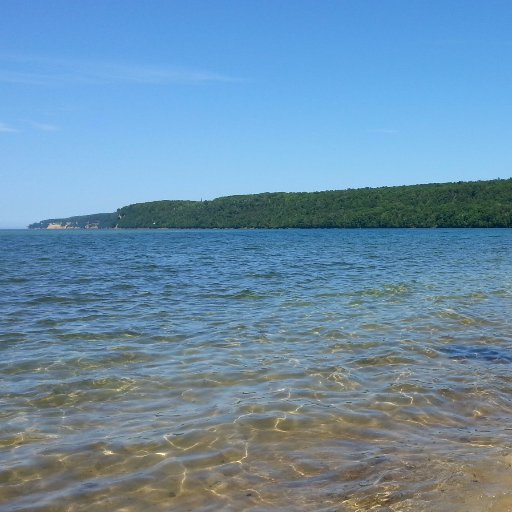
(256, 370)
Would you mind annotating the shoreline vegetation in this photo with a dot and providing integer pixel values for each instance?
(474, 204)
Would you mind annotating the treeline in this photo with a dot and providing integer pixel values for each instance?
(95, 220)
(470, 204)
(463, 204)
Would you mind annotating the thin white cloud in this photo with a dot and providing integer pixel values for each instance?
(5, 128)
(472, 42)
(30, 70)
(44, 127)
(384, 131)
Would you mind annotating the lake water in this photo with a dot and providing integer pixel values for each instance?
(315, 370)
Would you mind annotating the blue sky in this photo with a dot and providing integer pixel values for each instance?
(107, 103)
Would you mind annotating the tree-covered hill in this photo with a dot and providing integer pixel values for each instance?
(470, 204)
(95, 220)
(463, 204)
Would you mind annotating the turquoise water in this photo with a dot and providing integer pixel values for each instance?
(256, 370)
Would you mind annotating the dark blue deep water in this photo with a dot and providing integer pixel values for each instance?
(346, 370)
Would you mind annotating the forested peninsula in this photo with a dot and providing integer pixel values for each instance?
(458, 205)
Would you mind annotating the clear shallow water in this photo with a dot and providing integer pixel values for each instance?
(256, 370)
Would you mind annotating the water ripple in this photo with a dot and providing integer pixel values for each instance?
(256, 370)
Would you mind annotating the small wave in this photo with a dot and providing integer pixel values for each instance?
(388, 290)
(245, 294)
(98, 336)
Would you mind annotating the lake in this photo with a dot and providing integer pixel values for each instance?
(325, 370)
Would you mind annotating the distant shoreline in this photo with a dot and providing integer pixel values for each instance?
(258, 229)
(478, 204)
